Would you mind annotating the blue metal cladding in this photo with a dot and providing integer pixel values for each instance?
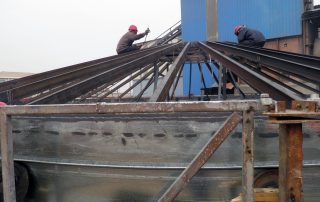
(275, 18)
(194, 28)
(196, 81)
(193, 20)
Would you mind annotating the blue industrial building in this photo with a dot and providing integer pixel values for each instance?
(206, 20)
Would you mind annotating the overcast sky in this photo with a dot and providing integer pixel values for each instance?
(40, 35)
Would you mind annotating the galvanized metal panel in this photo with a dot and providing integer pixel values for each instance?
(193, 20)
(132, 158)
(212, 20)
(274, 18)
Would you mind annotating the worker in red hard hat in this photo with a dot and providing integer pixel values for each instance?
(126, 42)
(249, 37)
(2, 104)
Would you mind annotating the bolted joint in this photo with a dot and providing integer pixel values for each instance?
(315, 98)
(266, 100)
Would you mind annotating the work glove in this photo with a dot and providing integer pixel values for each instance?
(147, 31)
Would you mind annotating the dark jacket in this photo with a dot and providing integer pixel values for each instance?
(247, 35)
(127, 40)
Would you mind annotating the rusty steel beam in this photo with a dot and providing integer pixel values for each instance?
(51, 79)
(141, 79)
(295, 57)
(279, 74)
(151, 80)
(247, 148)
(290, 145)
(254, 79)
(234, 82)
(126, 81)
(109, 76)
(291, 161)
(8, 85)
(163, 89)
(176, 83)
(202, 157)
(305, 70)
(168, 107)
(280, 82)
(8, 182)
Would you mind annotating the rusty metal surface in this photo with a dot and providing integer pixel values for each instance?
(162, 91)
(201, 158)
(290, 164)
(210, 106)
(247, 156)
(74, 147)
(309, 67)
(254, 79)
(8, 179)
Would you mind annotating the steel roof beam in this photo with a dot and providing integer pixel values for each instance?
(83, 73)
(307, 71)
(295, 57)
(162, 91)
(49, 74)
(109, 76)
(254, 79)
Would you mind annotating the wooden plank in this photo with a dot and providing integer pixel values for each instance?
(262, 195)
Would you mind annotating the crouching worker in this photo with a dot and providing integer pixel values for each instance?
(249, 37)
(126, 42)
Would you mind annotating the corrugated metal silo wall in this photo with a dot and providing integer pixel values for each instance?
(275, 18)
(196, 27)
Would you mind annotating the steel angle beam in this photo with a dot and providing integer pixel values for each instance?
(109, 76)
(254, 79)
(295, 57)
(142, 79)
(118, 86)
(307, 71)
(201, 158)
(278, 81)
(162, 90)
(278, 74)
(56, 72)
(80, 72)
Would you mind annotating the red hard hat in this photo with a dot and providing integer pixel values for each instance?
(2, 104)
(133, 28)
(237, 29)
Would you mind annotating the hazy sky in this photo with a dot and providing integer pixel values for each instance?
(39, 35)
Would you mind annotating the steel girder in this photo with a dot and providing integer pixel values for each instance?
(254, 79)
(163, 90)
(290, 63)
(38, 83)
(110, 76)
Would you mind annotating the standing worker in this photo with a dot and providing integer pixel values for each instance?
(249, 37)
(126, 42)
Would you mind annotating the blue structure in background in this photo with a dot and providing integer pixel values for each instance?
(194, 26)
(196, 82)
(193, 20)
(273, 17)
